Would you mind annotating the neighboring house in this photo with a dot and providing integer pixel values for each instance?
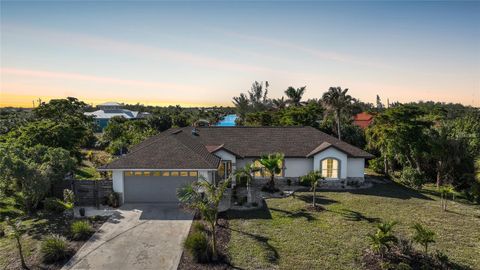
(363, 120)
(155, 168)
(111, 109)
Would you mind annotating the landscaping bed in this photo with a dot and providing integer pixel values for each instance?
(37, 227)
(223, 238)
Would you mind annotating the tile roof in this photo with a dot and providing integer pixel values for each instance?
(181, 149)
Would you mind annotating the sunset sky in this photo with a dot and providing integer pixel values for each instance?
(193, 53)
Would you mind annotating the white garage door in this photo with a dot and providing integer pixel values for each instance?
(159, 189)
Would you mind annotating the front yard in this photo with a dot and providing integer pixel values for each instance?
(288, 236)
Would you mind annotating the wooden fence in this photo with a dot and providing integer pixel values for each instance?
(87, 192)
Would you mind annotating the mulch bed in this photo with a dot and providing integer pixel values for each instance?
(223, 237)
(58, 226)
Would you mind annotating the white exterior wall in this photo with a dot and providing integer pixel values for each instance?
(117, 182)
(332, 153)
(356, 167)
(242, 162)
(224, 155)
(296, 167)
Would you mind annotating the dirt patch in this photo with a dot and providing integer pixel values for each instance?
(316, 208)
(223, 237)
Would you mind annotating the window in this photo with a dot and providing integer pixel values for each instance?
(263, 172)
(330, 167)
(147, 173)
(225, 169)
(165, 173)
(128, 174)
(156, 173)
(138, 173)
(193, 174)
(174, 174)
(183, 173)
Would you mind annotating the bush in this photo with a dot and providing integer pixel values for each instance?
(81, 230)
(403, 266)
(198, 227)
(114, 199)
(198, 246)
(54, 248)
(412, 177)
(53, 205)
(377, 165)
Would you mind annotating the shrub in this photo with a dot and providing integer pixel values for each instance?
(289, 182)
(403, 266)
(198, 227)
(53, 205)
(412, 177)
(377, 165)
(2, 230)
(198, 246)
(423, 236)
(54, 248)
(81, 230)
(114, 199)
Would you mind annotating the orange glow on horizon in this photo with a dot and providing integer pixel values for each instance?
(26, 101)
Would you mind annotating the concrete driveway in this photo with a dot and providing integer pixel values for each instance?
(137, 236)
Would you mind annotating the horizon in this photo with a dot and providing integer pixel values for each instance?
(196, 54)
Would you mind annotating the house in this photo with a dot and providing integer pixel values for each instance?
(111, 109)
(155, 168)
(363, 120)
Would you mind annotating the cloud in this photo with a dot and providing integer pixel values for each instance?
(91, 78)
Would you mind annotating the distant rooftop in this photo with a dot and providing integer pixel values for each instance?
(111, 103)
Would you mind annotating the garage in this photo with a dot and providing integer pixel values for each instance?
(143, 188)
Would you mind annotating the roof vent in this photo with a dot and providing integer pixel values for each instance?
(194, 131)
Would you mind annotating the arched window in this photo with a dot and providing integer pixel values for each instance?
(330, 167)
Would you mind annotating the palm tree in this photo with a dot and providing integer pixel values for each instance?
(295, 95)
(313, 178)
(247, 172)
(383, 238)
(444, 192)
(273, 164)
(279, 103)
(423, 236)
(205, 197)
(336, 101)
(242, 105)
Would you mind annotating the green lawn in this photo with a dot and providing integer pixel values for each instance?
(287, 236)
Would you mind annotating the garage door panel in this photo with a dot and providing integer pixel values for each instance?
(143, 189)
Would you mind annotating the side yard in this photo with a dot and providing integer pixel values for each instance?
(285, 235)
(37, 227)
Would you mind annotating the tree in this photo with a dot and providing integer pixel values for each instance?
(32, 170)
(444, 192)
(423, 236)
(205, 197)
(16, 232)
(383, 238)
(160, 122)
(273, 165)
(258, 95)
(279, 103)
(295, 95)
(336, 101)
(313, 178)
(242, 105)
(247, 172)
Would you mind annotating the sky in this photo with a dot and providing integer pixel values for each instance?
(195, 53)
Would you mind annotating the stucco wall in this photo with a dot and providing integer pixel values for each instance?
(242, 162)
(355, 167)
(333, 153)
(296, 167)
(224, 155)
(117, 183)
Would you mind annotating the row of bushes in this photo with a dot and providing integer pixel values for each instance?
(388, 251)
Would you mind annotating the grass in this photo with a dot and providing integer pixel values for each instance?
(285, 235)
(36, 227)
